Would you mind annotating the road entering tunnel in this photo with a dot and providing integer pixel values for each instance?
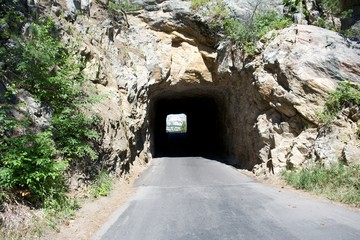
(205, 127)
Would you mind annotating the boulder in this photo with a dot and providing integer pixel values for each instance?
(301, 65)
(337, 141)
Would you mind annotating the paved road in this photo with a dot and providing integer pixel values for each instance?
(196, 198)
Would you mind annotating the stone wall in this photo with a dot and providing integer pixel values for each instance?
(269, 103)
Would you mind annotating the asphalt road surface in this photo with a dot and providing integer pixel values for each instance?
(197, 198)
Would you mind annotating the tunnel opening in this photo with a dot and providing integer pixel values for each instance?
(204, 135)
(176, 123)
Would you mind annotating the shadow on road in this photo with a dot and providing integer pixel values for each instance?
(184, 145)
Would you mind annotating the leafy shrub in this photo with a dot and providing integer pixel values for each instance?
(340, 183)
(335, 8)
(72, 133)
(330, 10)
(32, 162)
(218, 12)
(28, 167)
(102, 185)
(53, 74)
(10, 19)
(270, 21)
(293, 5)
(347, 95)
(49, 70)
(246, 34)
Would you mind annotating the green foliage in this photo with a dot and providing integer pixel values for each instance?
(293, 5)
(102, 185)
(32, 162)
(196, 4)
(59, 210)
(218, 12)
(53, 74)
(246, 34)
(340, 183)
(347, 94)
(183, 127)
(269, 21)
(335, 8)
(349, 33)
(125, 5)
(73, 130)
(10, 19)
(49, 70)
(27, 166)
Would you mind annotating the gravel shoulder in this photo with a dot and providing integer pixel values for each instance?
(95, 213)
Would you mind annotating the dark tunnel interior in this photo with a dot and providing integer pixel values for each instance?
(204, 136)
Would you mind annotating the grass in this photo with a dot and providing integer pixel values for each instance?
(19, 221)
(347, 95)
(196, 4)
(102, 185)
(339, 183)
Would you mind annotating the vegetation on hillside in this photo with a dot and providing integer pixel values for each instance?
(347, 95)
(34, 158)
(329, 11)
(245, 32)
(196, 4)
(340, 183)
(102, 185)
(248, 33)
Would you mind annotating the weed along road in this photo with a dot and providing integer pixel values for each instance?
(197, 198)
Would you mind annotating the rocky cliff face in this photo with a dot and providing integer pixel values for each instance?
(267, 106)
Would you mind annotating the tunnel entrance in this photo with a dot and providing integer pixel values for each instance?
(204, 134)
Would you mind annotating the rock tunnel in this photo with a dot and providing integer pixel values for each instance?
(206, 116)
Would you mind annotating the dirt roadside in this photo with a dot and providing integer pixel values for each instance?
(93, 214)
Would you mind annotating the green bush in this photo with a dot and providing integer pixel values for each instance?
(332, 9)
(33, 161)
(28, 167)
(218, 12)
(339, 183)
(246, 34)
(11, 20)
(335, 8)
(72, 133)
(52, 72)
(49, 70)
(102, 185)
(347, 94)
(293, 5)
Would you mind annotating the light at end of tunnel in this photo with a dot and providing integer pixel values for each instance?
(176, 123)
